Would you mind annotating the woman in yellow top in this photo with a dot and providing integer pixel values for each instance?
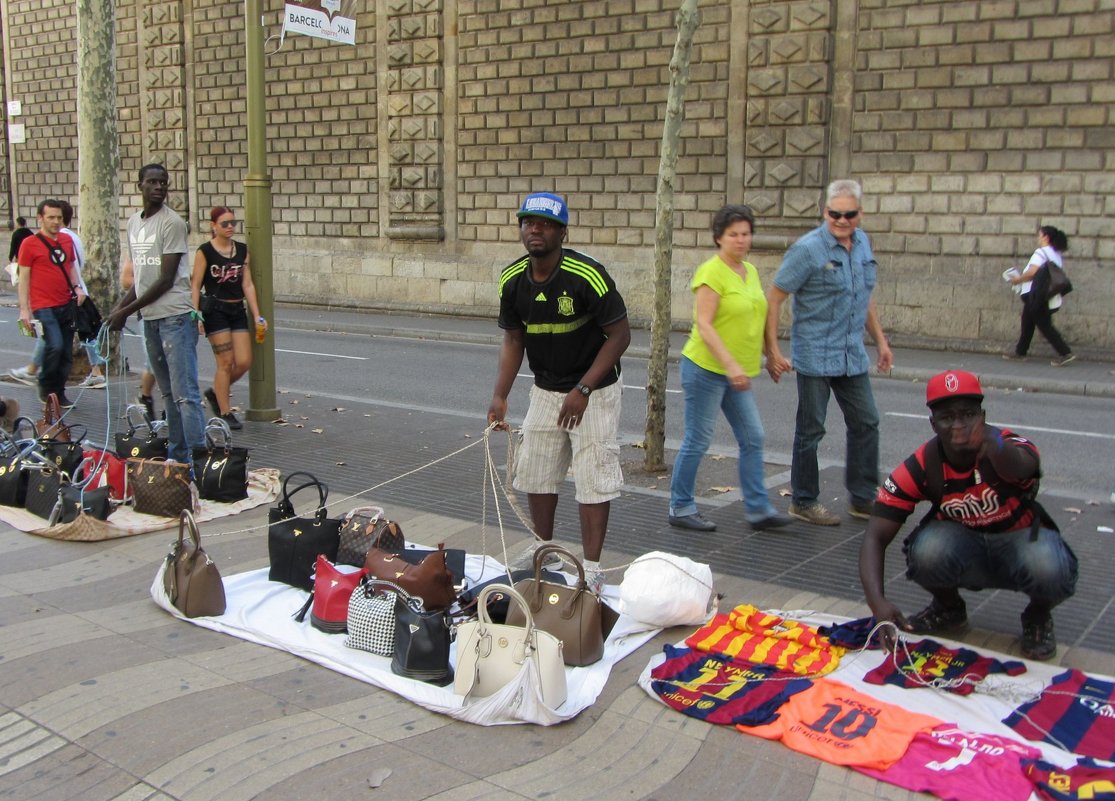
(723, 354)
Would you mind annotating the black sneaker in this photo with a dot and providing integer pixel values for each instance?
(65, 402)
(937, 619)
(211, 396)
(1038, 640)
(233, 423)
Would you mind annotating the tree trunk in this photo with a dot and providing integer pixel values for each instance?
(655, 437)
(98, 152)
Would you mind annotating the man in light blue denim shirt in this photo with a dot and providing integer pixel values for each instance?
(831, 272)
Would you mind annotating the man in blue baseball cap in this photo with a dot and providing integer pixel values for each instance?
(562, 310)
(985, 528)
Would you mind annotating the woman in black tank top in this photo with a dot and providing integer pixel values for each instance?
(221, 270)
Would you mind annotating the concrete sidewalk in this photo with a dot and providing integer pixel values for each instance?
(105, 697)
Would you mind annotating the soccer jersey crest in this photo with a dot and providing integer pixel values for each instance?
(565, 306)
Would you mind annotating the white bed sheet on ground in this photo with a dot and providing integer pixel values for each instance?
(981, 711)
(259, 610)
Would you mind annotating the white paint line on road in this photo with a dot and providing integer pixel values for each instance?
(314, 353)
(1022, 427)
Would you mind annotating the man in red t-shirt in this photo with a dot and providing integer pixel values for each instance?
(984, 530)
(48, 290)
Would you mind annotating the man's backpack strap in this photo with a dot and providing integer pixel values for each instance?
(935, 487)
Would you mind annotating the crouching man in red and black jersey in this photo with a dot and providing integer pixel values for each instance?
(985, 529)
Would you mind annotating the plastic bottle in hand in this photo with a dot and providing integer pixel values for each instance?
(261, 330)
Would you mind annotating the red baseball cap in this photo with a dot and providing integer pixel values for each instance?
(952, 384)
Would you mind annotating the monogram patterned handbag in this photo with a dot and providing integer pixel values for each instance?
(161, 487)
(364, 528)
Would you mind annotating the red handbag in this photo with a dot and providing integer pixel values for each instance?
(106, 469)
(329, 600)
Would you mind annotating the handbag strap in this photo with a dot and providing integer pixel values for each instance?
(286, 507)
(145, 420)
(186, 520)
(540, 556)
(50, 249)
(217, 425)
(512, 595)
(415, 602)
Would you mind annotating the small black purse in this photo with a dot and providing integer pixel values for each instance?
(77, 500)
(220, 470)
(293, 543)
(43, 488)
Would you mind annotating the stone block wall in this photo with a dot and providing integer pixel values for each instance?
(398, 164)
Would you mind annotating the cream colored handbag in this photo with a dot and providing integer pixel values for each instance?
(492, 655)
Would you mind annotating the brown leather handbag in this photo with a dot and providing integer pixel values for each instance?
(161, 487)
(570, 613)
(431, 580)
(191, 580)
(50, 425)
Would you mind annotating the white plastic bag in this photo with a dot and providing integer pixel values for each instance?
(663, 589)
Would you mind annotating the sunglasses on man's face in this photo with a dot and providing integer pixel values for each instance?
(847, 215)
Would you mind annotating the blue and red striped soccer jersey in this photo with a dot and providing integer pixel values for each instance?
(721, 690)
(929, 660)
(1084, 781)
(1075, 712)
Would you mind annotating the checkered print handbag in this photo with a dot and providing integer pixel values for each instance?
(371, 617)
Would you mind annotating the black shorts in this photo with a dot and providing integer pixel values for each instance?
(224, 316)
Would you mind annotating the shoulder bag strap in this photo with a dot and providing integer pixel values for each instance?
(50, 249)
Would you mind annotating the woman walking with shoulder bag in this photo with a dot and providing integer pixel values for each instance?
(221, 269)
(1037, 308)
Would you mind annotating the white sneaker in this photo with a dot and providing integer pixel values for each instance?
(525, 559)
(595, 579)
(24, 376)
(92, 381)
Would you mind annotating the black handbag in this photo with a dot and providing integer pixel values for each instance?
(15, 452)
(78, 500)
(66, 456)
(1059, 283)
(293, 543)
(140, 441)
(87, 319)
(220, 470)
(43, 487)
(421, 642)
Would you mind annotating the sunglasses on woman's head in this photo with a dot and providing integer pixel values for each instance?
(847, 215)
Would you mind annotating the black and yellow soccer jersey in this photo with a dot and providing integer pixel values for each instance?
(563, 318)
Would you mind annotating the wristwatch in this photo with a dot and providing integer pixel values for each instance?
(584, 390)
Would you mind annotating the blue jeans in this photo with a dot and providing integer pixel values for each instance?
(705, 392)
(945, 555)
(861, 419)
(95, 358)
(58, 355)
(172, 353)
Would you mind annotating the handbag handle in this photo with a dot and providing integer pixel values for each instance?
(565, 554)
(145, 421)
(186, 520)
(415, 602)
(512, 595)
(286, 508)
(217, 425)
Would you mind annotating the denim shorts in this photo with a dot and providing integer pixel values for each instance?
(221, 315)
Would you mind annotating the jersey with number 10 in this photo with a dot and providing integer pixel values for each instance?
(834, 723)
